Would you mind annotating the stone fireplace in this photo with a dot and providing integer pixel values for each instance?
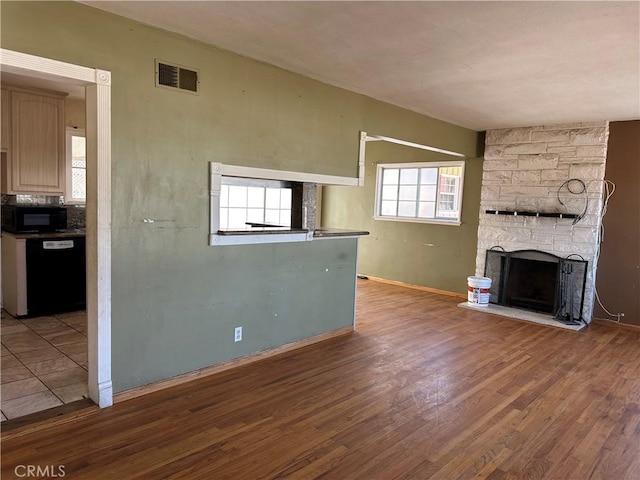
(532, 178)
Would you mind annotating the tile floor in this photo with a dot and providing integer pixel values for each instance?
(44, 362)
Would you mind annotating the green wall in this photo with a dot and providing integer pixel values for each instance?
(175, 300)
(431, 255)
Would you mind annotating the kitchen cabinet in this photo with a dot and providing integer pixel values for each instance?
(14, 275)
(35, 160)
(6, 119)
(43, 273)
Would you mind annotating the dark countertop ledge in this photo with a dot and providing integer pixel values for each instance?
(318, 232)
(70, 232)
(262, 231)
(338, 232)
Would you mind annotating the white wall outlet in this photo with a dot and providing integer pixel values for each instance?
(238, 335)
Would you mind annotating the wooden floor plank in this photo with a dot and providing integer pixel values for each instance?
(423, 389)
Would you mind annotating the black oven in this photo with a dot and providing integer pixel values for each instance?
(27, 218)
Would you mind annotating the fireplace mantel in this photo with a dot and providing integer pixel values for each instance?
(516, 213)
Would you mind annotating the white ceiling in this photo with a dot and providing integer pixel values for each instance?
(482, 65)
(74, 91)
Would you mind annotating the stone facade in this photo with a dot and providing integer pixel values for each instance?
(524, 169)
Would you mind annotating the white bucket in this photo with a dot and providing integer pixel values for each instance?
(479, 291)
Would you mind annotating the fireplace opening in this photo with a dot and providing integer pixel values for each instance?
(537, 281)
(532, 285)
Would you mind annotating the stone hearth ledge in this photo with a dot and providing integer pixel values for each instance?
(539, 318)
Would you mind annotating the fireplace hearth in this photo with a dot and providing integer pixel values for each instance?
(538, 282)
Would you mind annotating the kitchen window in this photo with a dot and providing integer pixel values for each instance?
(426, 192)
(76, 166)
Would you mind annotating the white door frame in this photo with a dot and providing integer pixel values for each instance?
(97, 85)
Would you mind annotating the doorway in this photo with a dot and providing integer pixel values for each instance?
(97, 85)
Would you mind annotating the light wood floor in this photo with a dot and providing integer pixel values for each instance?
(423, 389)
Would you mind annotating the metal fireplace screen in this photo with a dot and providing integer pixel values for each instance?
(537, 281)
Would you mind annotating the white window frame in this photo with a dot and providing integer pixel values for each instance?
(69, 198)
(440, 221)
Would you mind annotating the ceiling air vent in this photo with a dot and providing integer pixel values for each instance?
(176, 76)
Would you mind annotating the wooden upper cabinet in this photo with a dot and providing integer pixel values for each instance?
(6, 119)
(37, 162)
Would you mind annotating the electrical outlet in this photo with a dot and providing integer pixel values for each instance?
(238, 335)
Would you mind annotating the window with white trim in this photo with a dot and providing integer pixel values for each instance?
(429, 192)
(287, 217)
(76, 166)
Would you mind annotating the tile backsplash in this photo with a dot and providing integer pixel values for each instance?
(32, 200)
(76, 214)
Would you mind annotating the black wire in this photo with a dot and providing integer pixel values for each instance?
(582, 191)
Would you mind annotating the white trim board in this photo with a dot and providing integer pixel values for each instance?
(98, 131)
(285, 175)
(378, 138)
(365, 137)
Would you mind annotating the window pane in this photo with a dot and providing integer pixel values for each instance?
(408, 176)
(428, 193)
(224, 196)
(390, 176)
(255, 215)
(285, 218)
(237, 196)
(255, 197)
(388, 207)
(78, 151)
(78, 167)
(448, 184)
(237, 218)
(390, 192)
(406, 209)
(408, 193)
(428, 176)
(78, 183)
(447, 206)
(272, 217)
(446, 202)
(285, 198)
(427, 210)
(272, 198)
(224, 217)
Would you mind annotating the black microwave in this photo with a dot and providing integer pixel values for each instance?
(27, 218)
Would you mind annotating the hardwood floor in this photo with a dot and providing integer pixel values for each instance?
(423, 389)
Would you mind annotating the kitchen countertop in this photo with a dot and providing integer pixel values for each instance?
(68, 233)
(317, 233)
(260, 231)
(338, 232)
